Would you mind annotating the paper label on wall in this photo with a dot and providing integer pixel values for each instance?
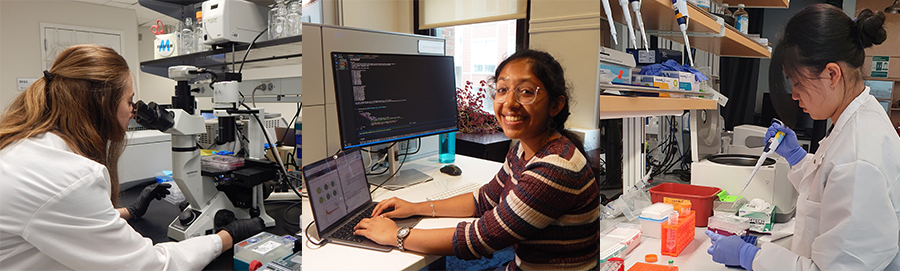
(23, 83)
(880, 66)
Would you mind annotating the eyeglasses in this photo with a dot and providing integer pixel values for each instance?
(524, 94)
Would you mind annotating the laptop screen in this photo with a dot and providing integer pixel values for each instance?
(336, 186)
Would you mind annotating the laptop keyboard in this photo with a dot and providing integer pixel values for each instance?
(346, 232)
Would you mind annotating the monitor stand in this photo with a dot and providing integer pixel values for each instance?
(402, 179)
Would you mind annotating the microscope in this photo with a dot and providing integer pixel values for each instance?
(214, 196)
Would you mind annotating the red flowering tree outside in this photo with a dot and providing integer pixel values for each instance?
(473, 119)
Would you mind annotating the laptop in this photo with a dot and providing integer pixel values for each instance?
(339, 198)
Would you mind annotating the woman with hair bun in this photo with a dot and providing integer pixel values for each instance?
(848, 211)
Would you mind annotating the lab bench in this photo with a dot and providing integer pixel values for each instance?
(155, 222)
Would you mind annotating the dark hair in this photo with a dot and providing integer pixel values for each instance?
(818, 35)
(551, 74)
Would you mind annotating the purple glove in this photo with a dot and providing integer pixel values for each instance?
(731, 250)
(789, 149)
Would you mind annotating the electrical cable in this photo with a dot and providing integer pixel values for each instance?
(253, 94)
(274, 150)
(418, 146)
(389, 177)
(248, 49)
(320, 243)
(289, 125)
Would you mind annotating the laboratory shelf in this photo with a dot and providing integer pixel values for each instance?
(607, 87)
(758, 3)
(704, 30)
(614, 107)
(270, 53)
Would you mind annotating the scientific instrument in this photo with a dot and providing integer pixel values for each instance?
(627, 15)
(741, 154)
(233, 21)
(682, 17)
(184, 123)
(771, 145)
(636, 7)
(612, 26)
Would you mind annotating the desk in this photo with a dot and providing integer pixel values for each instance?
(694, 256)
(339, 257)
(155, 222)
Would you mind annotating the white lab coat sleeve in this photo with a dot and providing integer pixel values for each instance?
(81, 230)
(795, 175)
(856, 220)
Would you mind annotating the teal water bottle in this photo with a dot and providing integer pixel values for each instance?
(447, 149)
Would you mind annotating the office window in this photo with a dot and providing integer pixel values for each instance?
(477, 49)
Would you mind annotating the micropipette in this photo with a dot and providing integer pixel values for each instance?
(609, 19)
(636, 7)
(627, 15)
(681, 16)
(770, 147)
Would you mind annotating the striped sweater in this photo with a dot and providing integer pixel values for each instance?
(546, 207)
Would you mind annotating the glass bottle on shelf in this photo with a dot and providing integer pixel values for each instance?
(294, 18)
(186, 37)
(741, 19)
(199, 32)
(277, 20)
(725, 10)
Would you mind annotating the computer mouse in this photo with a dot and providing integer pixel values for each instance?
(451, 170)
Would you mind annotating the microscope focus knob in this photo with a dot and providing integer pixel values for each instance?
(186, 217)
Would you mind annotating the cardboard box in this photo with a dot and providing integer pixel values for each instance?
(655, 81)
(685, 80)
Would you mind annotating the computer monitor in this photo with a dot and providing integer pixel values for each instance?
(383, 98)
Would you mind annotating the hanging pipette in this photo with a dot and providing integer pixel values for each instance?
(636, 7)
(681, 16)
(627, 15)
(609, 19)
(770, 147)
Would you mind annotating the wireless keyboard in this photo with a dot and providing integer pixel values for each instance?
(466, 188)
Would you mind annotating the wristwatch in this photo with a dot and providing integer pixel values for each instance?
(402, 233)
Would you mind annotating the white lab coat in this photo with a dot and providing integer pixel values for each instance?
(55, 214)
(848, 211)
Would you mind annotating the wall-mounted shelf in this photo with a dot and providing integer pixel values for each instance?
(620, 106)
(270, 53)
(705, 32)
(758, 3)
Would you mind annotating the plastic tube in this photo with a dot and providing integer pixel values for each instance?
(670, 238)
(636, 7)
(627, 15)
(609, 19)
(681, 16)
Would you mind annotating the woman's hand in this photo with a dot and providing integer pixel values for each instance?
(380, 229)
(401, 208)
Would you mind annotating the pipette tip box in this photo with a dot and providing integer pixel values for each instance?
(653, 217)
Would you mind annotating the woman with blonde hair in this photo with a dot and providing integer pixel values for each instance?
(60, 141)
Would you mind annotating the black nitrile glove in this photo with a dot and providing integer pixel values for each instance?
(244, 228)
(153, 191)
